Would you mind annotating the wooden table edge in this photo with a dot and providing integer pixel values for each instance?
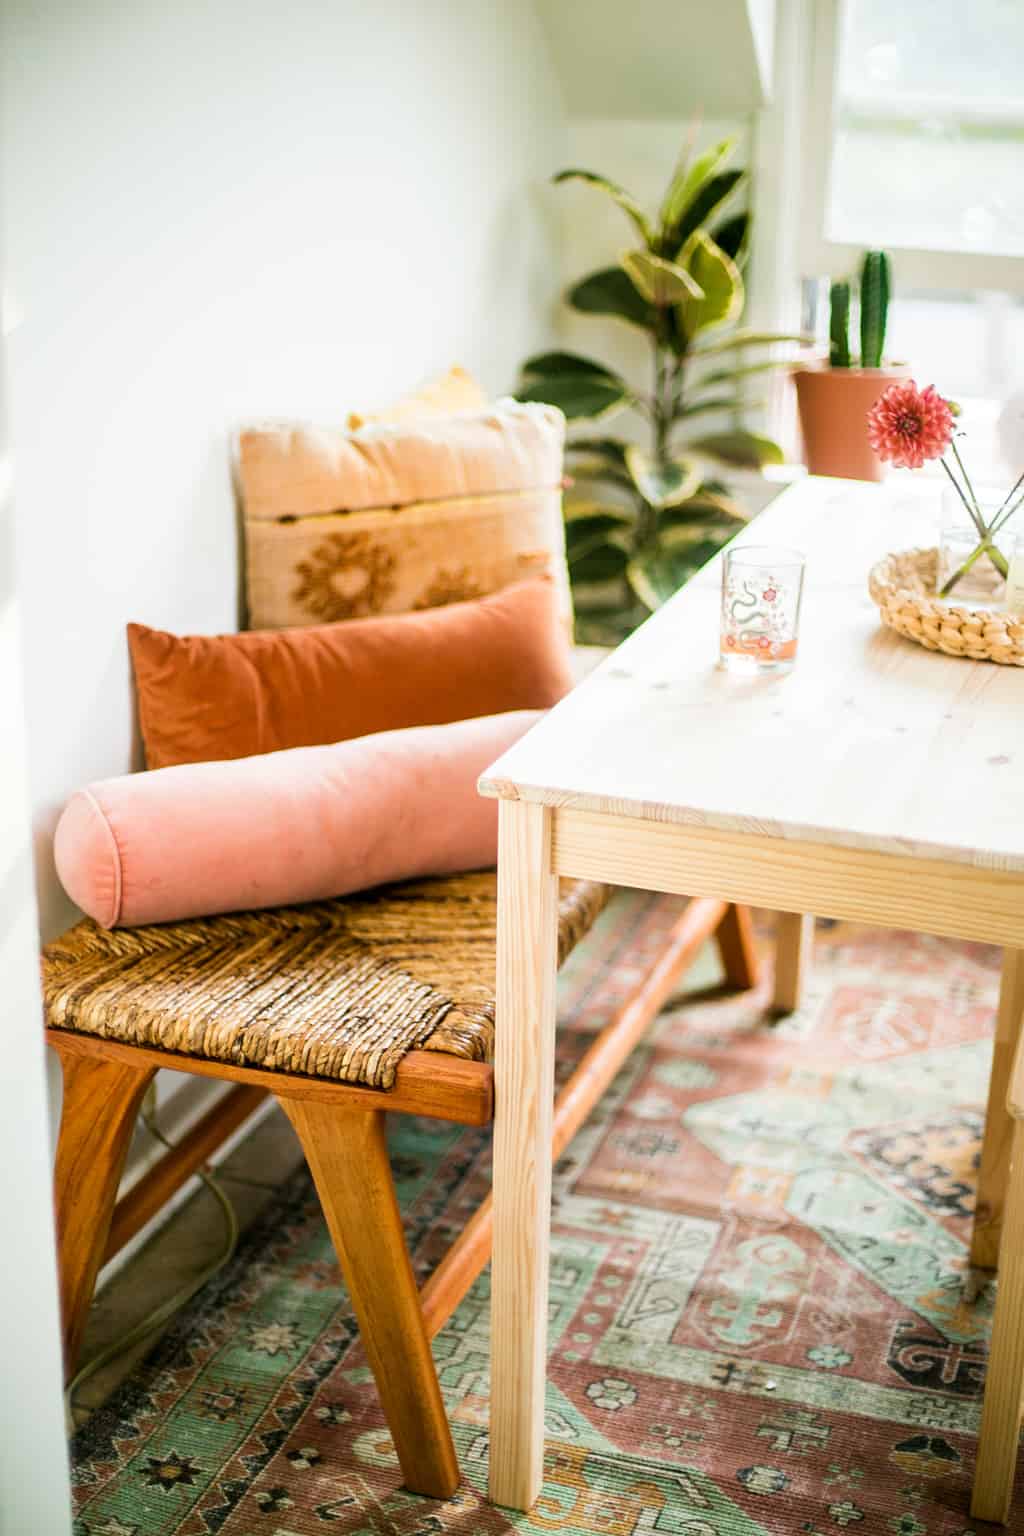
(644, 813)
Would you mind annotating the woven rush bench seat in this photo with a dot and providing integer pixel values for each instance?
(342, 989)
(345, 1012)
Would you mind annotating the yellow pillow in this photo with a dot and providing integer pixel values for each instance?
(453, 391)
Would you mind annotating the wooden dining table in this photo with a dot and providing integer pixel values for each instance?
(876, 782)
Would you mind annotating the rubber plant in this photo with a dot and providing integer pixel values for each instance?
(642, 517)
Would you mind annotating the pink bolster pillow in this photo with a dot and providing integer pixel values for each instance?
(284, 827)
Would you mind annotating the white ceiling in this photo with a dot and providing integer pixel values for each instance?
(660, 58)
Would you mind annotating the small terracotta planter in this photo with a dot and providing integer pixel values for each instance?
(833, 405)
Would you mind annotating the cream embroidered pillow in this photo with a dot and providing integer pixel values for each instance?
(392, 518)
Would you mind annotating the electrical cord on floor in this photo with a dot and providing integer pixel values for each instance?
(166, 1309)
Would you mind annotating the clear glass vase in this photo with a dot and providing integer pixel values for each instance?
(970, 576)
(978, 581)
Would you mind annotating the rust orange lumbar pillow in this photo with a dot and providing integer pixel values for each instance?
(209, 697)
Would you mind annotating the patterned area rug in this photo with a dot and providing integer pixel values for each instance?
(757, 1321)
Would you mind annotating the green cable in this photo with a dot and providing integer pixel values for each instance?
(167, 1308)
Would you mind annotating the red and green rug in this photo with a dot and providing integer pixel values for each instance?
(756, 1322)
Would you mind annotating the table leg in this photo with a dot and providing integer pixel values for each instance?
(524, 1087)
(999, 1435)
(998, 1133)
(794, 946)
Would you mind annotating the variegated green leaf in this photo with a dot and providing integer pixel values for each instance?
(746, 450)
(722, 377)
(737, 339)
(718, 277)
(580, 395)
(690, 177)
(661, 283)
(662, 483)
(630, 207)
(608, 448)
(711, 198)
(549, 364)
(602, 556)
(656, 574)
(610, 292)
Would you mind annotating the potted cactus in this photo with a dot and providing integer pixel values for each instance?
(834, 396)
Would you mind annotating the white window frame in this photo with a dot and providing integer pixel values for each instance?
(913, 268)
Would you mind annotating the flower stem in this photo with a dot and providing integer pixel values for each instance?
(1005, 515)
(984, 548)
(970, 488)
(998, 519)
(971, 511)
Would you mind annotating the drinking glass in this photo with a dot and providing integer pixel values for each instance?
(761, 590)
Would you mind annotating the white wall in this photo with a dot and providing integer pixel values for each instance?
(34, 1491)
(220, 212)
(225, 211)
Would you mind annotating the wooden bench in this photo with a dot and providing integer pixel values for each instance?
(341, 1010)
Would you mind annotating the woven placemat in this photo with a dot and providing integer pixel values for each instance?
(903, 586)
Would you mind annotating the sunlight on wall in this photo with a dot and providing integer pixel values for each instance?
(226, 212)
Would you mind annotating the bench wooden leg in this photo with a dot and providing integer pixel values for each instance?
(347, 1155)
(735, 939)
(794, 945)
(101, 1101)
(998, 1133)
(999, 1438)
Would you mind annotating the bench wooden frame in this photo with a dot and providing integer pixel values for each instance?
(342, 1132)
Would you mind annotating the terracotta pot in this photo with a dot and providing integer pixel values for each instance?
(833, 404)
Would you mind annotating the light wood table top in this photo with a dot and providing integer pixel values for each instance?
(871, 742)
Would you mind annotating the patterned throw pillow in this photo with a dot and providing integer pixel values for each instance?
(396, 517)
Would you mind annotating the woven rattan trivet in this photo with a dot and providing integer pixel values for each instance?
(903, 586)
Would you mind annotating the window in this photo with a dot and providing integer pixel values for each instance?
(914, 141)
(928, 126)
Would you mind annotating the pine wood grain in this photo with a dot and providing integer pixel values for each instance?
(870, 742)
(470, 1252)
(897, 891)
(737, 948)
(794, 946)
(999, 1436)
(523, 1083)
(994, 1169)
(101, 1101)
(348, 1158)
(877, 782)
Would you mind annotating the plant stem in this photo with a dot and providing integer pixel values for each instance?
(1004, 516)
(983, 548)
(970, 488)
(1006, 501)
(971, 511)
(987, 531)
(647, 516)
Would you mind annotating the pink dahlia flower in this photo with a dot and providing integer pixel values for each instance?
(909, 425)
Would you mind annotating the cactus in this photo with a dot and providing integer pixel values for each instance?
(874, 307)
(839, 326)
